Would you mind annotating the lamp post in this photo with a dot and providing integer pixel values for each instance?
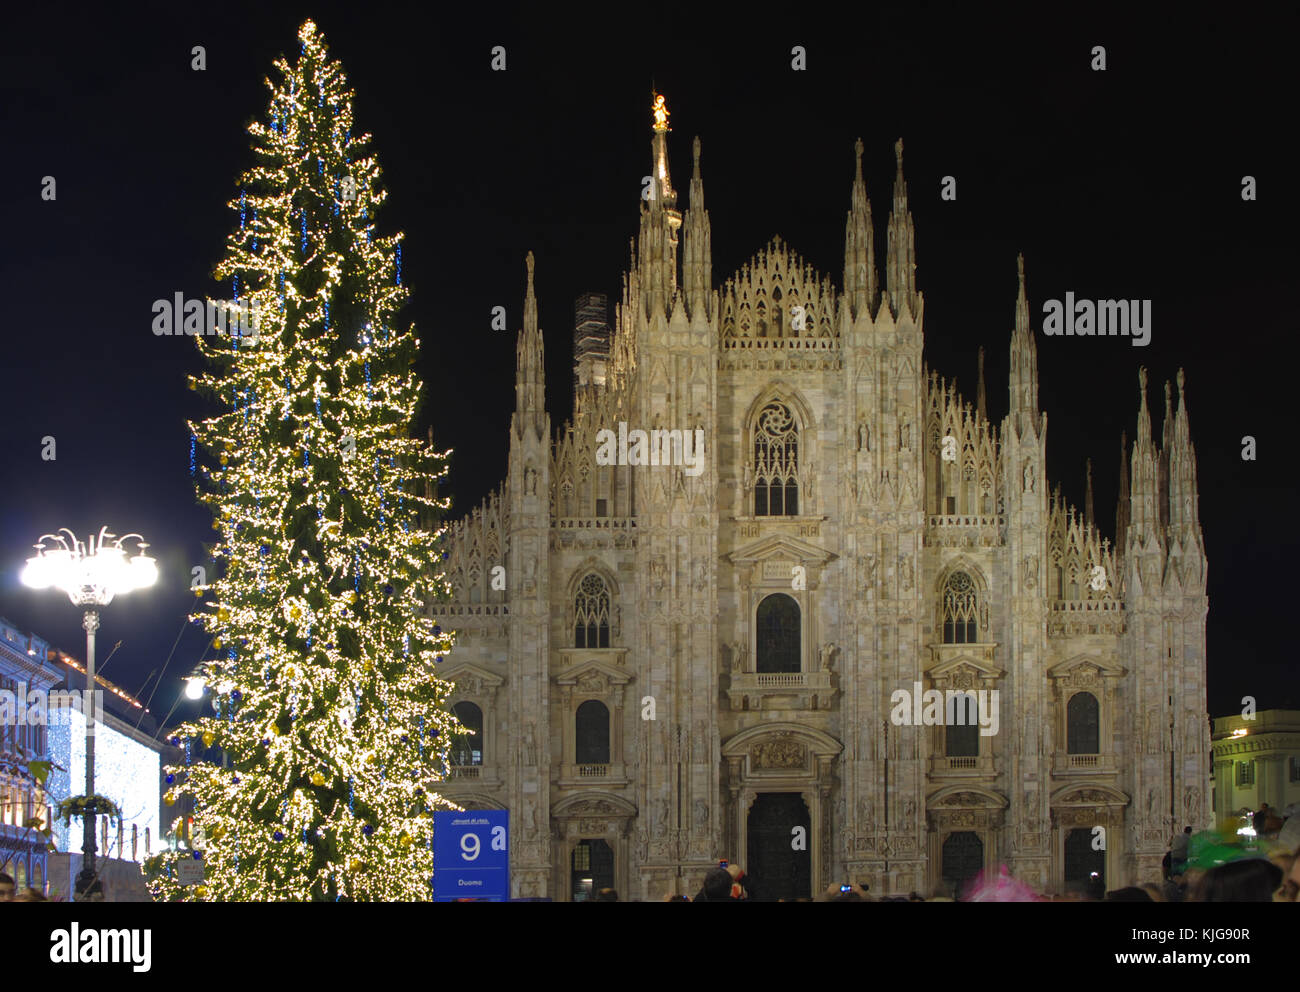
(91, 574)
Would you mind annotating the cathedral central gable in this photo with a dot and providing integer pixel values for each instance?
(777, 296)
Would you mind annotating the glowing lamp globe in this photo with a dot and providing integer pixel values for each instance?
(92, 573)
(144, 570)
(39, 573)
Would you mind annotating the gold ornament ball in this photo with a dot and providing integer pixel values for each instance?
(223, 459)
(208, 738)
(317, 778)
(169, 799)
(216, 642)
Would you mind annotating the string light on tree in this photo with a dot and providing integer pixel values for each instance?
(326, 687)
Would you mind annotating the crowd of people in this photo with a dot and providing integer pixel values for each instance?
(1271, 878)
(1227, 865)
(1259, 865)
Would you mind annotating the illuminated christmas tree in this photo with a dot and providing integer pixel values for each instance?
(332, 725)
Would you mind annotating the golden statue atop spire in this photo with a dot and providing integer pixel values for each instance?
(660, 111)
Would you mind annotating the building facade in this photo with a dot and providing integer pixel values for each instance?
(128, 770)
(23, 670)
(1256, 761)
(671, 659)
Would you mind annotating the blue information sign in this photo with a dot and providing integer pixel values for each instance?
(471, 855)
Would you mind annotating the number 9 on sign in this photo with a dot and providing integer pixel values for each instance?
(469, 846)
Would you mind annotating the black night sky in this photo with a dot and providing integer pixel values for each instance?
(1123, 183)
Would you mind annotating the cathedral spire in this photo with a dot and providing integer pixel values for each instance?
(530, 364)
(530, 299)
(900, 262)
(981, 405)
(859, 249)
(1122, 507)
(1184, 497)
(697, 261)
(1166, 434)
(1168, 430)
(1088, 517)
(1143, 439)
(660, 221)
(1144, 513)
(1023, 386)
(662, 182)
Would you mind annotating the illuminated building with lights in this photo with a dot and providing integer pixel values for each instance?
(128, 770)
(664, 668)
(1256, 761)
(22, 848)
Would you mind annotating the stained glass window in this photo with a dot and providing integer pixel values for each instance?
(591, 613)
(776, 463)
(959, 610)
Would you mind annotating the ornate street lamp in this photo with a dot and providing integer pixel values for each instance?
(91, 574)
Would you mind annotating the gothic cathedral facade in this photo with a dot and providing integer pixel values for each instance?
(666, 664)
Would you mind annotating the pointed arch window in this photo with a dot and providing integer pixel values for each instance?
(1082, 724)
(776, 462)
(591, 733)
(591, 613)
(779, 634)
(962, 733)
(467, 748)
(960, 610)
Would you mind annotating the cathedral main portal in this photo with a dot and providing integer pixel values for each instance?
(779, 828)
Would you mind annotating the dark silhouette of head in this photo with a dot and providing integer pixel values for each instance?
(717, 885)
(1248, 880)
